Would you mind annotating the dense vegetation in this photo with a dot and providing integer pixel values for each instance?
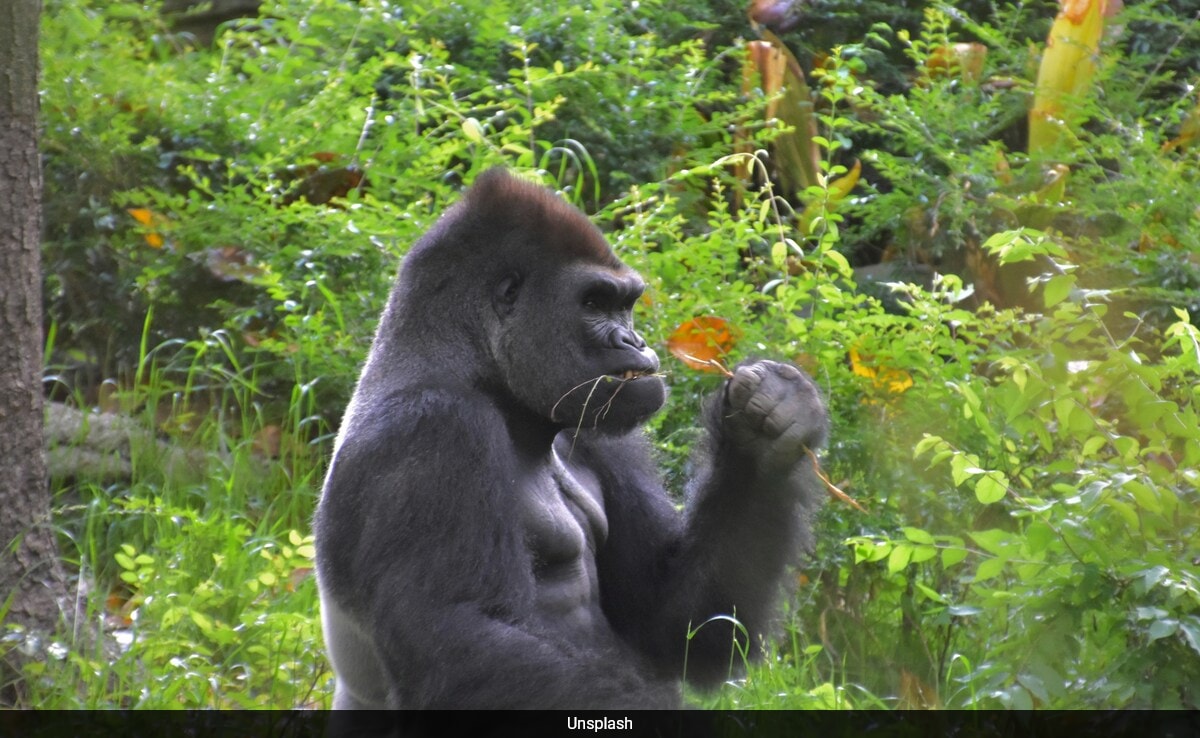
(1005, 327)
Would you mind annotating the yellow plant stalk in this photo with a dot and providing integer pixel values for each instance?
(1067, 68)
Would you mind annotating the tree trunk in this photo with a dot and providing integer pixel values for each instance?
(30, 571)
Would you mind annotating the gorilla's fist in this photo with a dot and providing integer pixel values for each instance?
(772, 413)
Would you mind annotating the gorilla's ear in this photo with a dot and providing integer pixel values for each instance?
(505, 293)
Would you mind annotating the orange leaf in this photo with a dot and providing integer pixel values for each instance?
(702, 342)
(141, 215)
(149, 219)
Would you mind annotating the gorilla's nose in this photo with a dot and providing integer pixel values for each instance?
(630, 339)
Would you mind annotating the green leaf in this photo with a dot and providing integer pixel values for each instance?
(929, 592)
(779, 251)
(1162, 628)
(1063, 407)
(1058, 288)
(1191, 632)
(991, 487)
(1093, 444)
(916, 535)
(1144, 496)
(839, 262)
(994, 540)
(923, 553)
(962, 467)
(899, 557)
(1038, 536)
(472, 130)
(201, 620)
(925, 444)
(989, 569)
(953, 556)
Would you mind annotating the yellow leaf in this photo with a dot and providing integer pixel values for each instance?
(883, 378)
(1067, 68)
(837, 191)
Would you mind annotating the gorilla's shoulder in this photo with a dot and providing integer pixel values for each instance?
(417, 423)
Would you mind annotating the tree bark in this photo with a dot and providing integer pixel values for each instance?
(30, 571)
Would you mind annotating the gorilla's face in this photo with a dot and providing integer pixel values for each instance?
(566, 347)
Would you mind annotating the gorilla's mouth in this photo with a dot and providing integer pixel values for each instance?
(629, 374)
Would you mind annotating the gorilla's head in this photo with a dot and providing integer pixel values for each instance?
(520, 295)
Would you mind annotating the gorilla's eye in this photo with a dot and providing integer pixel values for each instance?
(508, 288)
(599, 297)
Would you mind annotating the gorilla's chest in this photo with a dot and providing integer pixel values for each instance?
(564, 524)
(563, 515)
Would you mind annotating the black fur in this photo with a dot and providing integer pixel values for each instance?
(493, 531)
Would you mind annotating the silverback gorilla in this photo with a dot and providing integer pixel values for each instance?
(493, 532)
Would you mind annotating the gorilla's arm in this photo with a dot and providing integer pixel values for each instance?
(431, 576)
(747, 518)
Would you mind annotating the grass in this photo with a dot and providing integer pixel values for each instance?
(198, 575)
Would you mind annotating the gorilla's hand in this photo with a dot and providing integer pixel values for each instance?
(772, 413)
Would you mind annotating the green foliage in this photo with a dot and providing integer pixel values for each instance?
(223, 226)
(1079, 452)
(200, 573)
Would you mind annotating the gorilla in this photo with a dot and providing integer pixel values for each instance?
(493, 531)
